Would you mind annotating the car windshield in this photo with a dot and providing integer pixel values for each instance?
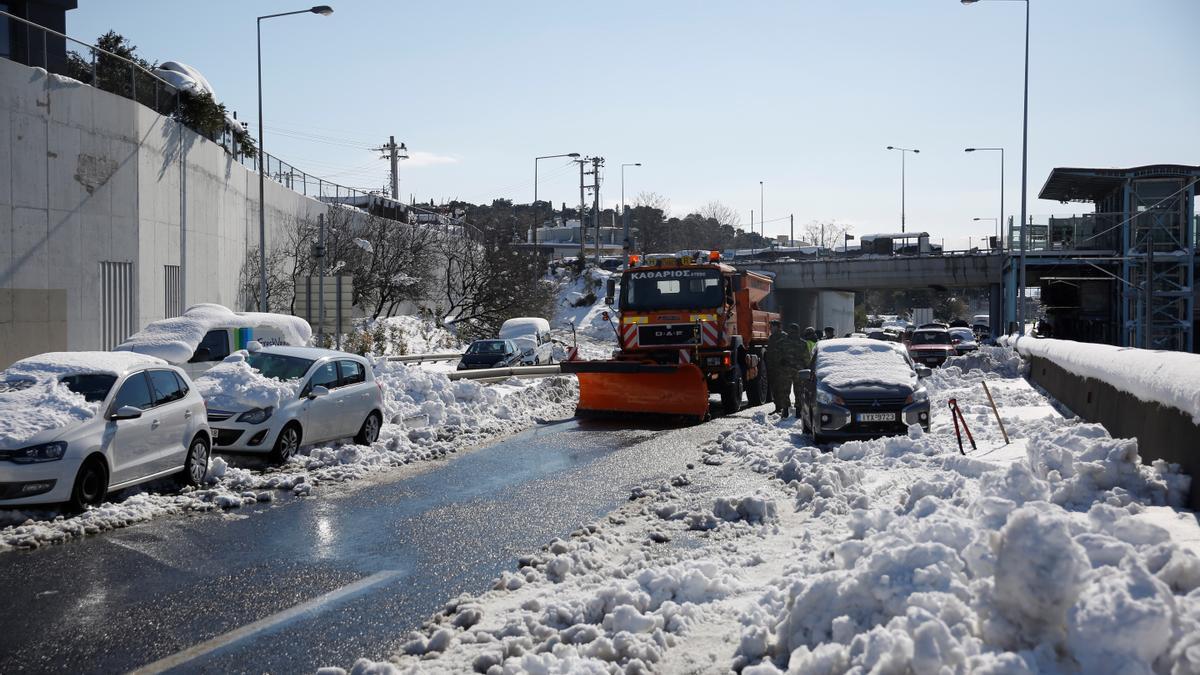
(487, 347)
(963, 334)
(278, 366)
(93, 387)
(931, 337)
(668, 288)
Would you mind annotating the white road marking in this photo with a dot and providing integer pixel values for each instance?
(221, 641)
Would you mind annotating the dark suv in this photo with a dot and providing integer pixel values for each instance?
(862, 389)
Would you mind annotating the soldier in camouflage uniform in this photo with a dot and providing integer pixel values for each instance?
(778, 375)
(799, 357)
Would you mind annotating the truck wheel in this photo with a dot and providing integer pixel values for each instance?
(731, 393)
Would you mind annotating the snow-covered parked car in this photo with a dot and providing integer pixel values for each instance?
(490, 354)
(532, 336)
(275, 399)
(963, 340)
(205, 334)
(75, 426)
(861, 389)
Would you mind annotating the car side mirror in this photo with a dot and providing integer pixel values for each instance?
(923, 371)
(127, 412)
(610, 289)
(318, 391)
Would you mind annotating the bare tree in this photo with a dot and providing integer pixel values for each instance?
(279, 286)
(722, 213)
(398, 265)
(830, 234)
(653, 200)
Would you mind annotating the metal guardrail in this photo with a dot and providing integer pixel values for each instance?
(501, 374)
(40, 47)
(421, 358)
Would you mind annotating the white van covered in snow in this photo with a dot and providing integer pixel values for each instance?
(532, 335)
(205, 334)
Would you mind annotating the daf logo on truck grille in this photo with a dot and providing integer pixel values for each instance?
(676, 334)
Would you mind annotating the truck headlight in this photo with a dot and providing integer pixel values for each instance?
(257, 415)
(46, 452)
(919, 396)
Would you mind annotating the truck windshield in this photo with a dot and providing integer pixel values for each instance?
(652, 289)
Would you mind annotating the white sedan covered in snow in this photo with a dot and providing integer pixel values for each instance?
(274, 399)
(76, 425)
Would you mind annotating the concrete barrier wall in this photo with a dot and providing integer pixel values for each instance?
(1162, 432)
(88, 177)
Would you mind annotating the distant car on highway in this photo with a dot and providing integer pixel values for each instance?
(963, 340)
(75, 426)
(933, 324)
(861, 389)
(304, 395)
(931, 346)
(884, 335)
(490, 354)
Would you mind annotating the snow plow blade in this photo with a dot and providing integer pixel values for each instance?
(629, 387)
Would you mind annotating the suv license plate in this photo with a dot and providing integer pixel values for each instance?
(875, 417)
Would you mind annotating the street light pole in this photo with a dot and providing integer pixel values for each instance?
(995, 222)
(323, 10)
(762, 212)
(535, 189)
(1024, 168)
(624, 217)
(903, 188)
(999, 223)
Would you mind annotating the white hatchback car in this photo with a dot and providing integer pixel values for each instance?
(332, 395)
(75, 426)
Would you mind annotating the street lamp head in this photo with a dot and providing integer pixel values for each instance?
(976, 219)
(891, 147)
(638, 164)
(323, 10)
(969, 2)
(572, 154)
(916, 151)
(969, 150)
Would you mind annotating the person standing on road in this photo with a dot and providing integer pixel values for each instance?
(778, 376)
(810, 336)
(799, 355)
(829, 334)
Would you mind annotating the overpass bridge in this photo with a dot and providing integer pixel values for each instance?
(820, 291)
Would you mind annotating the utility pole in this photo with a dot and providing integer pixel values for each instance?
(394, 153)
(597, 162)
(582, 205)
(792, 230)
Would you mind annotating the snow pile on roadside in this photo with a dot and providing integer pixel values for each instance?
(989, 359)
(574, 306)
(446, 418)
(33, 400)
(410, 335)
(175, 339)
(897, 555)
(1169, 378)
(233, 385)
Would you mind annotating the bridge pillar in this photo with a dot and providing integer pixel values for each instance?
(996, 309)
(817, 308)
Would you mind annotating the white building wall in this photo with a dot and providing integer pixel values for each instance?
(87, 176)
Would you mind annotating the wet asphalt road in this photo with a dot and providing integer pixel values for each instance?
(121, 600)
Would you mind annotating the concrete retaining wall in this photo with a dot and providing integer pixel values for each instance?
(1162, 432)
(88, 177)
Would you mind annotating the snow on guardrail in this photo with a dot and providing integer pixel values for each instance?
(421, 358)
(1169, 378)
(500, 374)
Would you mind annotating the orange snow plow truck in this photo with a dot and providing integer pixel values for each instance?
(685, 327)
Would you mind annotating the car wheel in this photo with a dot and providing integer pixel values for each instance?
(369, 433)
(195, 466)
(287, 444)
(91, 485)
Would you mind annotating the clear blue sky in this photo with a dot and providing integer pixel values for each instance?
(711, 97)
